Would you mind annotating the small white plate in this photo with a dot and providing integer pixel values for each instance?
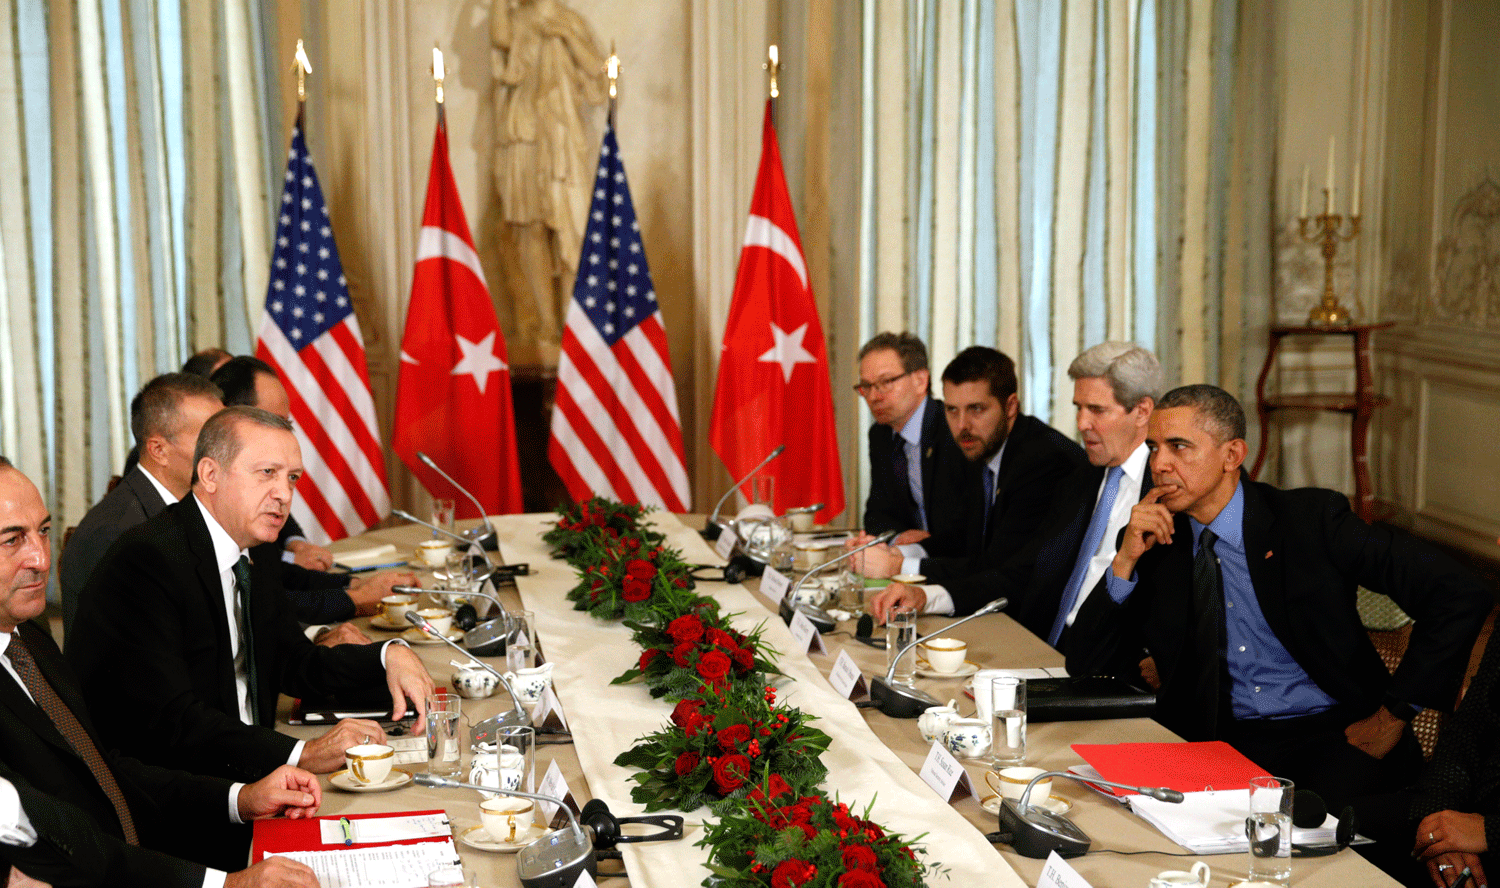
(476, 837)
(1056, 804)
(398, 778)
(925, 670)
(417, 636)
(380, 622)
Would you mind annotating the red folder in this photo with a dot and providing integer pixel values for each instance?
(279, 835)
(1185, 767)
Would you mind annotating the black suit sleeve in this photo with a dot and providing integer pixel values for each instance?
(317, 596)
(883, 511)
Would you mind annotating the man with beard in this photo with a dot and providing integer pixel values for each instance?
(1015, 464)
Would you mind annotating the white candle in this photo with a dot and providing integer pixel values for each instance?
(1303, 214)
(437, 73)
(1354, 193)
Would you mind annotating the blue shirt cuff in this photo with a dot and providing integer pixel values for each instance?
(1119, 589)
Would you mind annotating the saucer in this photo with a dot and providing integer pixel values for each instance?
(380, 622)
(476, 837)
(926, 671)
(417, 636)
(1055, 804)
(398, 778)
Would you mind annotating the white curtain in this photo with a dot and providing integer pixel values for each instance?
(139, 166)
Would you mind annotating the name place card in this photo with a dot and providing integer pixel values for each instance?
(846, 678)
(946, 775)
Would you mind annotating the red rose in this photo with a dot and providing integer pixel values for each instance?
(791, 873)
(686, 763)
(846, 823)
(731, 737)
(640, 568)
(635, 589)
(776, 787)
(856, 878)
(682, 652)
(730, 772)
(684, 629)
(744, 660)
(720, 638)
(686, 711)
(859, 857)
(713, 665)
(647, 656)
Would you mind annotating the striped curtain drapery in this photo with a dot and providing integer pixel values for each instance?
(135, 227)
(1040, 176)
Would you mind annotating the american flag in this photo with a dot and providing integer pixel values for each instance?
(615, 427)
(310, 335)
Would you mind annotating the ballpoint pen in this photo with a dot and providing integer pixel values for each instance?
(348, 829)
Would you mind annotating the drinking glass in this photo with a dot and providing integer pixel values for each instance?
(457, 568)
(1270, 830)
(521, 647)
(1008, 721)
(442, 514)
(446, 877)
(444, 727)
(851, 592)
(900, 631)
(517, 756)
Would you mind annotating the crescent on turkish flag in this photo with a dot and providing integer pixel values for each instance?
(453, 399)
(773, 385)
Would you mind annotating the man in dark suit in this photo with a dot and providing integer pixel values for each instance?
(1245, 597)
(916, 469)
(1014, 465)
(92, 811)
(165, 417)
(1115, 386)
(178, 629)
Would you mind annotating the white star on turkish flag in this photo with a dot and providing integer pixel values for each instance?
(479, 359)
(788, 350)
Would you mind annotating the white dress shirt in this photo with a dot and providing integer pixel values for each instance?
(1135, 468)
(167, 496)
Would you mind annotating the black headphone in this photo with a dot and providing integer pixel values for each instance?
(1309, 812)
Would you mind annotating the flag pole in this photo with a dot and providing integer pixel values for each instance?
(772, 65)
(612, 71)
(438, 73)
(302, 67)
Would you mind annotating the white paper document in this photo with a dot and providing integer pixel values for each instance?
(392, 866)
(398, 828)
(1213, 822)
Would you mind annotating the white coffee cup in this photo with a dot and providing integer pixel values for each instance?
(1011, 783)
(504, 816)
(434, 553)
(440, 617)
(1197, 877)
(370, 763)
(394, 608)
(945, 655)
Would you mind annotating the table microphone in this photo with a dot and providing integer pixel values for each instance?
(486, 537)
(1035, 832)
(712, 528)
(903, 701)
(557, 859)
(819, 617)
(517, 716)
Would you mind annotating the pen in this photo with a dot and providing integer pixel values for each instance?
(357, 570)
(1463, 878)
(348, 830)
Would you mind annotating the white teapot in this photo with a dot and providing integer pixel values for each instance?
(530, 684)
(501, 770)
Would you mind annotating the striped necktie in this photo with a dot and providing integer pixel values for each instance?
(72, 730)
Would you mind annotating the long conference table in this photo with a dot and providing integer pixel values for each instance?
(872, 756)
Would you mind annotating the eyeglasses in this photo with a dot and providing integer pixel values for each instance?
(879, 386)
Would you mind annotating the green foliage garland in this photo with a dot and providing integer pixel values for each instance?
(596, 520)
(697, 648)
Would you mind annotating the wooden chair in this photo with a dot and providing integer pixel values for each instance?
(1391, 645)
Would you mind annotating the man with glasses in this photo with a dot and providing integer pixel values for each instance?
(916, 469)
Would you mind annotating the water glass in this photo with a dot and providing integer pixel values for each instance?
(851, 592)
(521, 647)
(1008, 721)
(763, 491)
(442, 514)
(517, 757)
(900, 631)
(447, 877)
(457, 568)
(444, 727)
(1269, 828)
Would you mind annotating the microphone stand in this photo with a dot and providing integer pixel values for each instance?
(1035, 832)
(817, 615)
(903, 701)
(517, 716)
(488, 539)
(553, 861)
(712, 528)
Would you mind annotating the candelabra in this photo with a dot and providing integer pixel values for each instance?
(1328, 313)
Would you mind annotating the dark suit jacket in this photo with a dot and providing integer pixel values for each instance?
(132, 501)
(943, 470)
(1306, 553)
(317, 596)
(1040, 572)
(1037, 457)
(152, 648)
(87, 837)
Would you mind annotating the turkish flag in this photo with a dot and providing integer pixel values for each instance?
(773, 368)
(453, 398)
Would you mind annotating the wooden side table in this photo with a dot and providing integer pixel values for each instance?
(1359, 404)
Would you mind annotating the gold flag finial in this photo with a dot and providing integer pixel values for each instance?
(438, 71)
(303, 67)
(612, 71)
(772, 64)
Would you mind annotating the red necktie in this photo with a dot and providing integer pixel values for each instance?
(72, 730)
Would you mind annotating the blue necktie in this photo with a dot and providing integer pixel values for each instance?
(1091, 540)
(902, 469)
(989, 502)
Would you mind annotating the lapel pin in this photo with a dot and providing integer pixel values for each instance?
(1269, 553)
